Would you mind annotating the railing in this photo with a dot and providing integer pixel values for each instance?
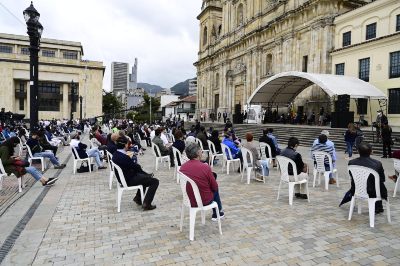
(185, 110)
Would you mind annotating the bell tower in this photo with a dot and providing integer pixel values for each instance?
(210, 19)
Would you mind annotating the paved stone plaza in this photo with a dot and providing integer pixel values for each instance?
(77, 223)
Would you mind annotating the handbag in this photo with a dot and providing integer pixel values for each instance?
(21, 163)
(85, 168)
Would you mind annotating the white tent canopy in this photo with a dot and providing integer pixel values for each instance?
(285, 86)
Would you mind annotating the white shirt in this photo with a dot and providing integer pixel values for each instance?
(152, 134)
(164, 138)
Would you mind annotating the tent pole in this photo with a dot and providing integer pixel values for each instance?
(372, 123)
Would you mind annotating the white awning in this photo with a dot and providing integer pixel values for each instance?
(285, 86)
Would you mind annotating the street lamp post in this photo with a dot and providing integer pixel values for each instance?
(35, 30)
(150, 106)
(73, 102)
(80, 107)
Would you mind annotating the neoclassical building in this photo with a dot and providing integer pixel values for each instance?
(60, 63)
(243, 42)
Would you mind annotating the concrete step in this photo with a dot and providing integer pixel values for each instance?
(305, 134)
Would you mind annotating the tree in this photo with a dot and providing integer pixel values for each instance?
(111, 104)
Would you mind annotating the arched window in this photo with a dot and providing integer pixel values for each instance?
(268, 65)
(205, 35)
(239, 15)
(217, 80)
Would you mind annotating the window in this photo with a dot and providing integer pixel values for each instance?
(239, 15)
(362, 106)
(6, 49)
(398, 23)
(339, 69)
(268, 68)
(394, 101)
(25, 50)
(49, 53)
(394, 71)
(21, 99)
(305, 63)
(205, 35)
(363, 69)
(371, 31)
(49, 96)
(346, 38)
(70, 55)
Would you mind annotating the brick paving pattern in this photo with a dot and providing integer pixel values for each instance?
(258, 230)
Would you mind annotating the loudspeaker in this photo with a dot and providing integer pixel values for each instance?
(343, 103)
(341, 119)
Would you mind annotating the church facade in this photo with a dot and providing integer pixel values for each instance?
(244, 42)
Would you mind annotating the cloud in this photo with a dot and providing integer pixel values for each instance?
(162, 34)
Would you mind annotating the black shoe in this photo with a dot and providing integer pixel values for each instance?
(50, 182)
(148, 207)
(137, 201)
(102, 167)
(378, 211)
(238, 170)
(301, 196)
(61, 166)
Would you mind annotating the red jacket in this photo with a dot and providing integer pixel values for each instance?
(202, 175)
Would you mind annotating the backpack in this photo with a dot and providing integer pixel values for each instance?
(85, 168)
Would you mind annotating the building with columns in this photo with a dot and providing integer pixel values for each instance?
(243, 42)
(60, 64)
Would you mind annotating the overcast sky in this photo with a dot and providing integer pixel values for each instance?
(162, 34)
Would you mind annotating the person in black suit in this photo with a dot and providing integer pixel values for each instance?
(134, 174)
(365, 160)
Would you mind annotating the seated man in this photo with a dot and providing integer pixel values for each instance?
(264, 138)
(45, 144)
(83, 153)
(38, 151)
(111, 140)
(291, 153)
(365, 150)
(235, 150)
(322, 145)
(164, 149)
(204, 178)
(134, 174)
(274, 140)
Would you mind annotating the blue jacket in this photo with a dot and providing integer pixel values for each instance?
(128, 167)
(234, 149)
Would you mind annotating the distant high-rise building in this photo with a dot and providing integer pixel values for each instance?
(193, 87)
(119, 78)
(133, 77)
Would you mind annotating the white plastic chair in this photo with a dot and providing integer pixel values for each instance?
(193, 210)
(52, 143)
(77, 159)
(3, 174)
(198, 141)
(213, 153)
(264, 156)
(156, 152)
(112, 173)
(284, 163)
(360, 176)
(228, 158)
(177, 154)
(21, 146)
(319, 168)
(248, 165)
(31, 158)
(396, 163)
(123, 186)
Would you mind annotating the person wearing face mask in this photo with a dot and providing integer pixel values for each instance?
(83, 153)
(15, 165)
(134, 174)
(291, 153)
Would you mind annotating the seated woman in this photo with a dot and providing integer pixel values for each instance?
(261, 164)
(179, 143)
(266, 139)
(216, 141)
(235, 150)
(15, 165)
(83, 153)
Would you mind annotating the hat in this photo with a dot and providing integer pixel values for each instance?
(73, 134)
(325, 132)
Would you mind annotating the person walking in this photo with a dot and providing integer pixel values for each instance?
(350, 138)
(386, 140)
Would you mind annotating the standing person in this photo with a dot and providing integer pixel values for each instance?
(350, 138)
(134, 174)
(204, 178)
(387, 140)
(365, 150)
(321, 116)
(360, 135)
(291, 153)
(224, 115)
(219, 116)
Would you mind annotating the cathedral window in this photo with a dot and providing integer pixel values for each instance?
(205, 36)
(239, 15)
(371, 31)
